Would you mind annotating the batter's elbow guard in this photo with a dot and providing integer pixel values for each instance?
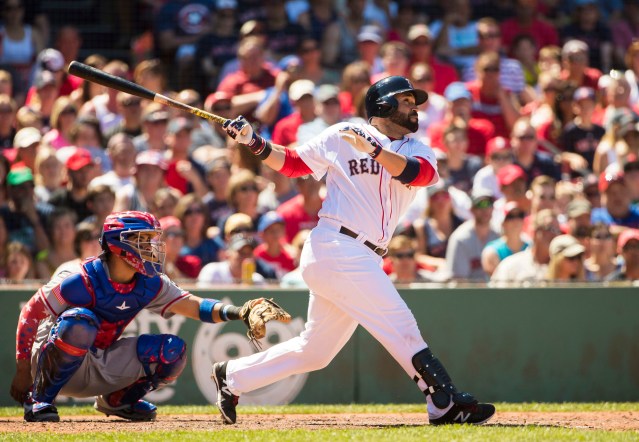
(440, 387)
(410, 172)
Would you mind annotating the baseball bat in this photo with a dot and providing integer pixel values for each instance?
(111, 81)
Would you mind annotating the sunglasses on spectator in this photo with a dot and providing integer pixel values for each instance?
(592, 194)
(192, 210)
(491, 69)
(602, 236)
(501, 157)
(516, 215)
(422, 79)
(405, 255)
(224, 108)
(248, 188)
(583, 232)
(574, 258)
(526, 137)
(130, 103)
(175, 234)
(308, 49)
(483, 204)
(549, 229)
(241, 230)
(490, 35)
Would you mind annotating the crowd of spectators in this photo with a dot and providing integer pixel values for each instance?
(532, 114)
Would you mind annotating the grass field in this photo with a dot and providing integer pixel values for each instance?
(396, 422)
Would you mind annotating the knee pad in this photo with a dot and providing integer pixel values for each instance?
(168, 351)
(440, 386)
(75, 331)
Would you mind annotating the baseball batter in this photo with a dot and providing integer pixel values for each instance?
(68, 333)
(372, 174)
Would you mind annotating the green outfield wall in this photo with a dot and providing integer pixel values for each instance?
(515, 345)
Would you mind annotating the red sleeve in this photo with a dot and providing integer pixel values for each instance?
(30, 316)
(294, 166)
(426, 173)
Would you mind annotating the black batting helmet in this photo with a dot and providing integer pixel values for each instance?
(380, 98)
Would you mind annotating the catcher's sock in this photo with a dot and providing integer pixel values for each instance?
(433, 411)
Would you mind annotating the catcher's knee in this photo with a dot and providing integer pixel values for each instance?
(75, 331)
(167, 351)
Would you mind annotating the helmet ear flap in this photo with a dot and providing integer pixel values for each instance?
(385, 106)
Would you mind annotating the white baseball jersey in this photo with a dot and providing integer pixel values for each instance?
(361, 194)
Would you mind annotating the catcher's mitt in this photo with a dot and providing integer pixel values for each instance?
(256, 313)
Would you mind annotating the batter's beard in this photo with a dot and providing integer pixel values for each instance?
(404, 120)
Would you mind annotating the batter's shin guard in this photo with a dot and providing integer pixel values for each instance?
(440, 387)
(69, 340)
(168, 352)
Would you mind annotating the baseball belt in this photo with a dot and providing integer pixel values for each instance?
(378, 250)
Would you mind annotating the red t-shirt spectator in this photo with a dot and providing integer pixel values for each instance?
(296, 217)
(189, 265)
(283, 263)
(237, 83)
(444, 74)
(479, 132)
(285, 130)
(590, 78)
(543, 33)
(69, 84)
(488, 108)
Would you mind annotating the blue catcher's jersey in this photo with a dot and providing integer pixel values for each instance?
(92, 289)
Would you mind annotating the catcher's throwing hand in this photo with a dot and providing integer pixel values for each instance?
(256, 313)
(359, 139)
(22, 381)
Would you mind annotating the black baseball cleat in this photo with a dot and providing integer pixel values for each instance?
(226, 401)
(476, 414)
(41, 412)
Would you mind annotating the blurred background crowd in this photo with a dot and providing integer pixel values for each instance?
(533, 115)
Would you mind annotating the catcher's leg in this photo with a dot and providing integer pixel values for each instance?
(69, 340)
(168, 354)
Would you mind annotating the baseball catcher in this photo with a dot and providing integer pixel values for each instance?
(68, 338)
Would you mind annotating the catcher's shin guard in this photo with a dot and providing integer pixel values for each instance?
(69, 340)
(440, 387)
(168, 352)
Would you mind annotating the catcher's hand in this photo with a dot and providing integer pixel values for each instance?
(256, 313)
(359, 139)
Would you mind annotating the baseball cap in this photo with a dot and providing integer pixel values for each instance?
(626, 236)
(288, 61)
(497, 144)
(79, 159)
(457, 90)
(239, 241)
(370, 33)
(574, 47)
(509, 174)
(169, 221)
(178, 124)
(566, 245)
(578, 207)
(439, 186)
(152, 158)
(217, 164)
(418, 30)
(268, 219)
(299, 88)
(225, 4)
(584, 93)
(215, 97)
(19, 175)
(44, 78)
(236, 221)
(440, 155)
(27, 136)
(51, 60)
(326, 92)
(151, 115)
(481, 194)
(606, 178)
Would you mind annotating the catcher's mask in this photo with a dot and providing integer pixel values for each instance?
(135, 237)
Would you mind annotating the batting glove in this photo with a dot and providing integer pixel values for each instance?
(242, 132)
(360, 140)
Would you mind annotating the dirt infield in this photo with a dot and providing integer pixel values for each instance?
(615, 421)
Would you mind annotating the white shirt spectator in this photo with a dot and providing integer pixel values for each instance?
(511, 76)
(219, 273)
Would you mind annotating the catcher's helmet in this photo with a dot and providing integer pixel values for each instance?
(135, 237)
(380, 98)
